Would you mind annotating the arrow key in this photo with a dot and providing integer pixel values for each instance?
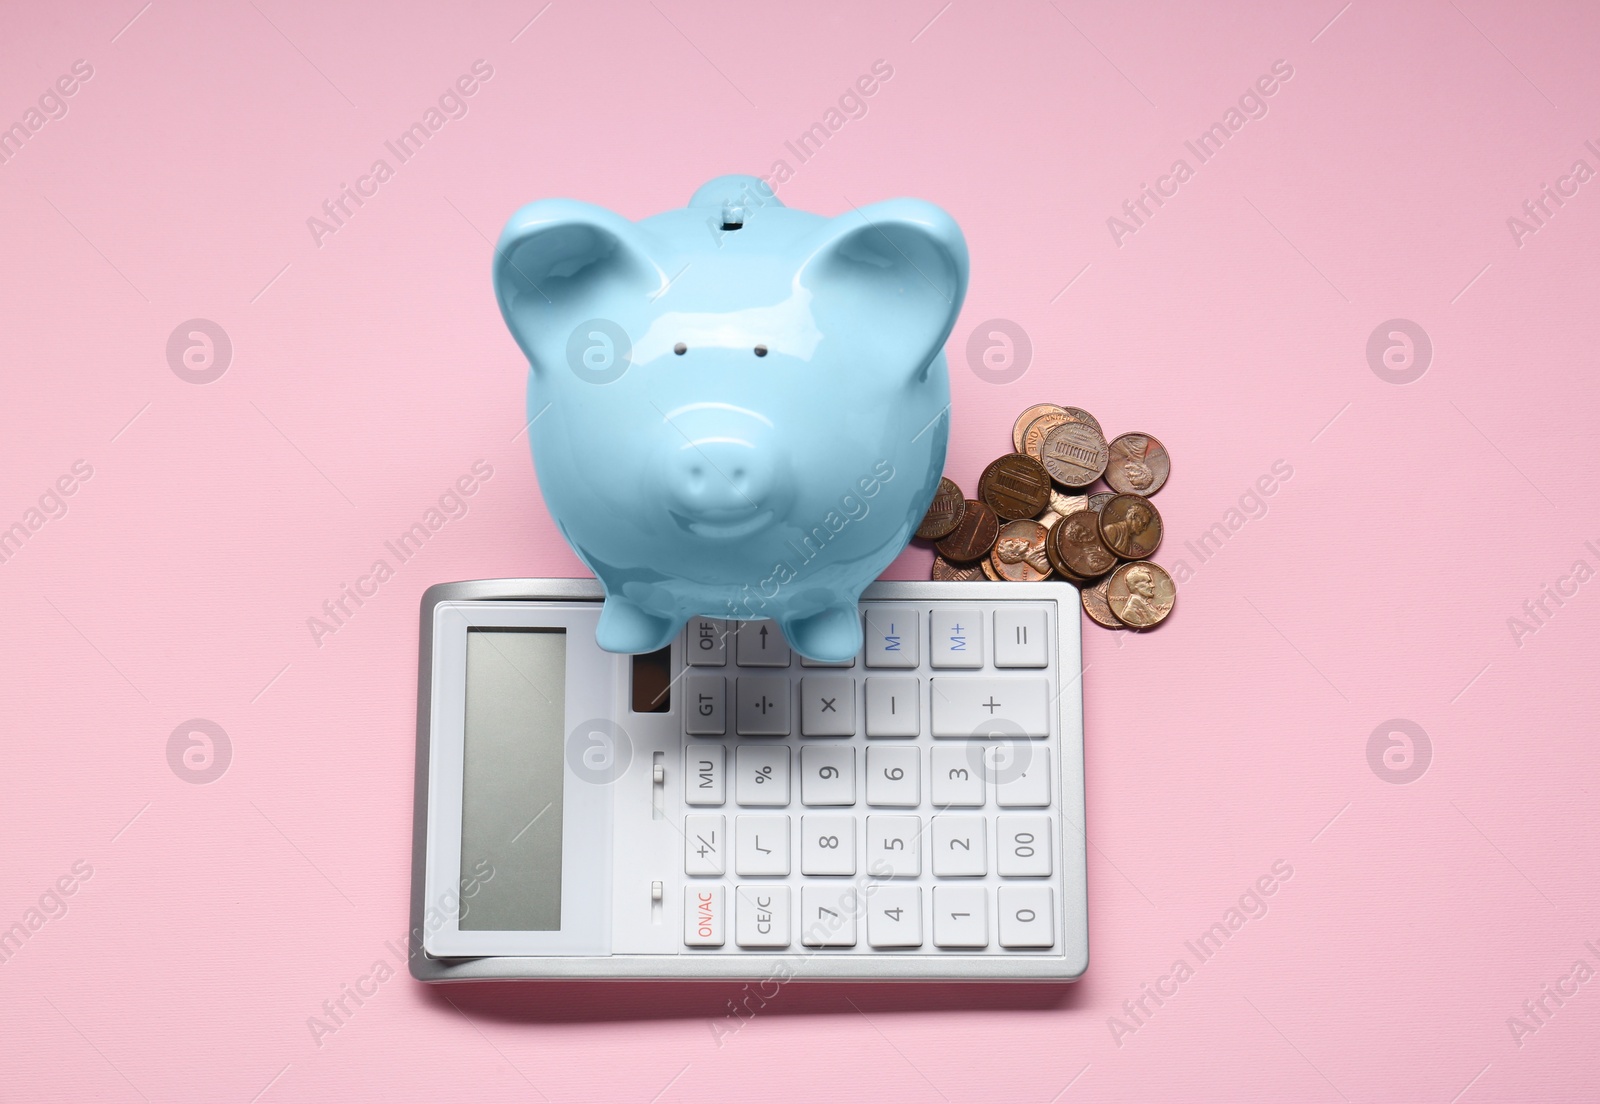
(760, 644)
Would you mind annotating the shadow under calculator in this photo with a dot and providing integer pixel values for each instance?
(731, 1005)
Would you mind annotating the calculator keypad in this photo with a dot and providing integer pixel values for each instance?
(894, 916)
(923, 819)
(828, 845)
(762, 847)
(763, 916)
(990, 708)
(956, 639)
(828, 915)
(894, 707)
(705, 774)
(706, 705)
(760, 644)
(705, 843)
(828, 775)
(827, 705)
(960, 916)
(960, 846)
(894, 776)
(761, 775)
(763, 705)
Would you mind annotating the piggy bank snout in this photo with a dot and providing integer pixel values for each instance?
(713, 479)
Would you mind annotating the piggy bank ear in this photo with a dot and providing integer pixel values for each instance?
(903, 263)
(560, 263)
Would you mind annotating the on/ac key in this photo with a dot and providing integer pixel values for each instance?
(704, 916)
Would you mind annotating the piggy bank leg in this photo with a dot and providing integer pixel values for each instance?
(628, 628)
(831, 636)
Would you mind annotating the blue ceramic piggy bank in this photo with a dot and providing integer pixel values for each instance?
(736, 409)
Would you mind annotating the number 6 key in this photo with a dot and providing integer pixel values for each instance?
(892, 777)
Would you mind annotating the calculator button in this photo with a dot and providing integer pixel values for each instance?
(1025, 784)
(893, 707)
(827, 705)
(958, 776)
(704, 844)
(763, 705)
(761, 776)
(705, 770)
(894, 916)
(805, 662)
(703, 920)
(894, 846)
(1022, 849)
(761, 846)
(956, 638)
(892, 776)
(1027, 916)
(960, 849)
(960, 916)
(707, 711)
(891, 636)
(1019, 638)
(827, 844)
(828, 915)
(760, 644)
(761, 916)
(974, 707)
(705, 642)
(828, 775)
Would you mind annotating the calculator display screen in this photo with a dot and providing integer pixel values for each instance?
(512, 780)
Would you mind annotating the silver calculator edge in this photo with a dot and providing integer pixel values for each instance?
(794, 965)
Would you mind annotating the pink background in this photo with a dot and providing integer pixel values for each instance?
(370, 371)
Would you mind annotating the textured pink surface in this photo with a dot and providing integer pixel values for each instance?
(370, 371)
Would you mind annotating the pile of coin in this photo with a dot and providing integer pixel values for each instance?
(1038, 516)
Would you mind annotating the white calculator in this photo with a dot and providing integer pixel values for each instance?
(725, 808)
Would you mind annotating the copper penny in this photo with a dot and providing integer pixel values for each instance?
(1080, 547)
(1033, 437)
(988, 571)
(1138, 464)
(1048, 518)
(1084, 416)
(1097, 502)
(1027, 416)
(1074, 454)
(945, 513)
(1062, 505)
(1052, 551)
(1131, 526)
(946, 572)
(1141, 594)
(1015, 487)
(973, 536)
(1033, 434)
(1019, 554)
(1098, 606)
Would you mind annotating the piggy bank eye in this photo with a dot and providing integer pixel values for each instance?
(680, 348)
(761, 350)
